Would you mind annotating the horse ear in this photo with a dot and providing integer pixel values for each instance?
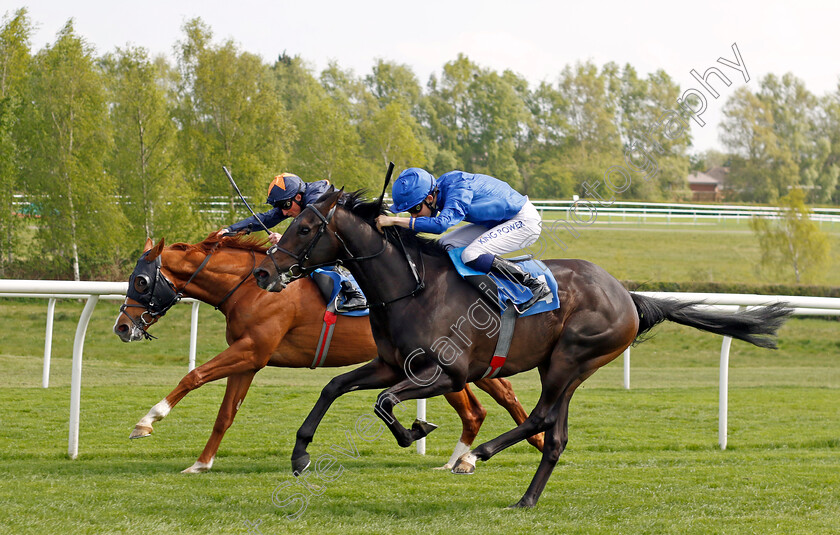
(332, 197)
(155, 251)
(148, 246)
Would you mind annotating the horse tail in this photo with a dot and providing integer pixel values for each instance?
(757, 326)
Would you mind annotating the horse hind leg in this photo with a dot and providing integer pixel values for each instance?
(472, 415)
(235, 392)
(555, 382)
(555, 443)
(567, 367)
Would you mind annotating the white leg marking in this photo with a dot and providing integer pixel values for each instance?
(198, 467)
(466, 464)
(158, 412)
(460, 449)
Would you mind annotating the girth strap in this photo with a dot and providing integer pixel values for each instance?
(327, 329)
(509, 317)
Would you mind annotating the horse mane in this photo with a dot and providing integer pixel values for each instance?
(213, 242)
(368, 210)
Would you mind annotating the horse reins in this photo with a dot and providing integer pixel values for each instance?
(419, 281)
(322, 228)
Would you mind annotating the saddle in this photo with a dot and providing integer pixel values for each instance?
(501, 293)
(329, 283)
(504, 295)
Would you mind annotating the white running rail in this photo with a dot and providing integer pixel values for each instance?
(92, 291)
(802, 306)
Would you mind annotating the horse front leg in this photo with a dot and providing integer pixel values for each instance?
(235, 392)
(502, 392)
(406, 389)
(374, 374)
(472, 415)
(238, 358)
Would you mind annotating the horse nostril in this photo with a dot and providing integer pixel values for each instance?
(260, 273)
(122, 328)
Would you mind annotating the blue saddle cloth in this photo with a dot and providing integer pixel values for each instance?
(329, 282)
(509, 291)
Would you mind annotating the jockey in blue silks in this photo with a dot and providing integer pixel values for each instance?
(502, 220)
(288, 195)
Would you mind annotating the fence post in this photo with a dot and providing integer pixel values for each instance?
(193, 334)
(724, 387)
(45, 382)
(627, 368)
(76, 376)
(421, 415)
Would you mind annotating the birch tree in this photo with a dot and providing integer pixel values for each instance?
(68, 135)
(156, 197)
(14, 67)
(230, 113)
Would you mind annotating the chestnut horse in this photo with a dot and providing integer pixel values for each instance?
(418, 300)
(262, 329)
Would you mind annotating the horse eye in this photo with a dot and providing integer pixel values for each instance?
(141, 283)
(304, 230)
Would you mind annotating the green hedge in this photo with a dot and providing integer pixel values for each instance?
(733, 288)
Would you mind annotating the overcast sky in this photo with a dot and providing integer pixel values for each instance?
(535, 39)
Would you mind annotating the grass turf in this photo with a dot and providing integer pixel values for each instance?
(638, 461)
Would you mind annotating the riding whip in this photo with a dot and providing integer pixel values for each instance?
(385, 187)
(243, 198)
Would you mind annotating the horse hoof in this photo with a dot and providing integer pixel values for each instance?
(465, 464)
(462, 468)
(140, 431)
(423, 428)
(521, 504)
(300, 464)
(197, 468)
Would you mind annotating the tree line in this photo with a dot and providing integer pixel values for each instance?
(113, 148)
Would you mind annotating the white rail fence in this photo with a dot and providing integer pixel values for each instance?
(93, 291)
(626, 210)
(623, 211)
(802, 306)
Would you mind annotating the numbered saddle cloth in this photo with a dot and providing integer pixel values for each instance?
(507, 291)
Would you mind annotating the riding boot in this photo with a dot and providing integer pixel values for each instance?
(511, 271)
(353, 298)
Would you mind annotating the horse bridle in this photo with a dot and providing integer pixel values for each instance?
(160, 293)
(298, 270)
(304, 256)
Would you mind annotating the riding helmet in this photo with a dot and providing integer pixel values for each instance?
(283, 187)
(410, 188)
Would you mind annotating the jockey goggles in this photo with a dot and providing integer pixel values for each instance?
(285, 204)
(419, 206)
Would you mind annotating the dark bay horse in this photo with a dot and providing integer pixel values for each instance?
(263, 329)
(433, 334)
